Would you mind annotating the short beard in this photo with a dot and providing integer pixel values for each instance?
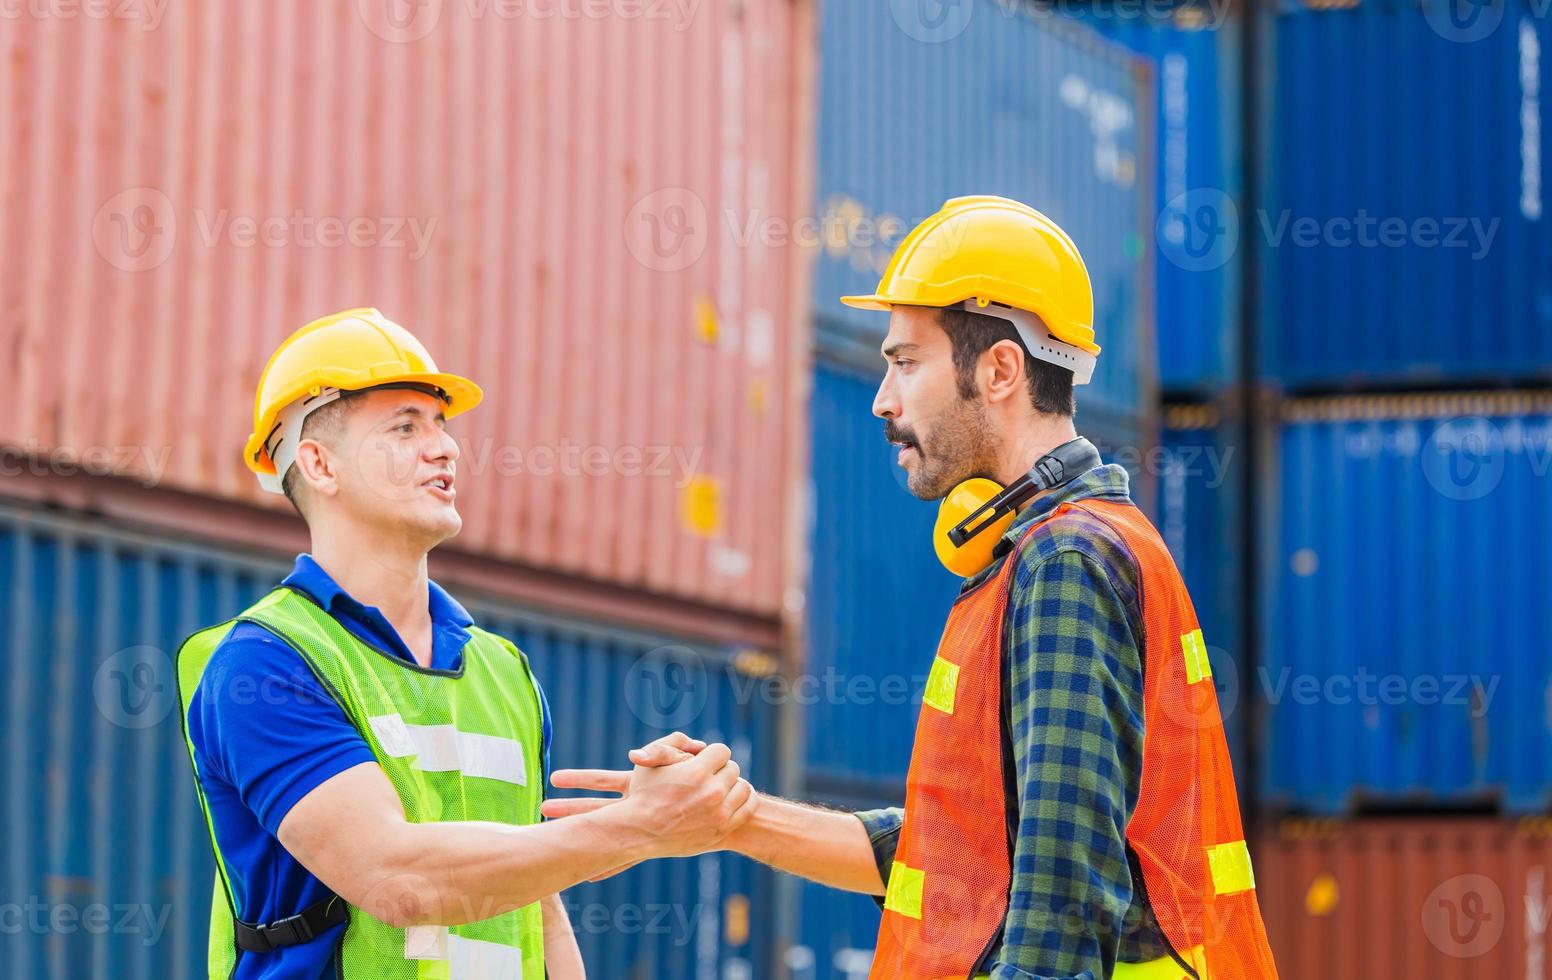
(964, 431)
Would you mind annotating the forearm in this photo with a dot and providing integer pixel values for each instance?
(454, 873)
(826, 846)
(562, 958)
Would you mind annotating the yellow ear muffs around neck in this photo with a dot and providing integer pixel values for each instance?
(965, 499)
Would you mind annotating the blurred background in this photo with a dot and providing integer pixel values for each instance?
(1323, 282)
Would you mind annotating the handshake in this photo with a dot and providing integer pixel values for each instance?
(684, 796)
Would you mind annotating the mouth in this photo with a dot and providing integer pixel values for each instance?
(906, 447)
(441, 485)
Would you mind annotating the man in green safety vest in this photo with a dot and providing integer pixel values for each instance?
(370, 763)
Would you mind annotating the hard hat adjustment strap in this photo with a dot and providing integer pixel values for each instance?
(286, 436)
(1038, 342)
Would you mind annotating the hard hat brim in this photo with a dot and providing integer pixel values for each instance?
(872, 301)
(462, 395)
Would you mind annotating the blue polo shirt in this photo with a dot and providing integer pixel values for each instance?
(266, 733)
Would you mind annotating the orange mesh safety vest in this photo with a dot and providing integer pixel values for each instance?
(948, 889)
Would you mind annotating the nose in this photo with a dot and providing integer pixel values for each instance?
(443, 447)
(886, 404)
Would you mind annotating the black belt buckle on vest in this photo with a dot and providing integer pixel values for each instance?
(292, 930)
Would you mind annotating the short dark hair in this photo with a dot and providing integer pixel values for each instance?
(973, 334)
(323, 424)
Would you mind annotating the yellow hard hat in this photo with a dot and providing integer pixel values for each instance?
(998, 257)
(342, 352)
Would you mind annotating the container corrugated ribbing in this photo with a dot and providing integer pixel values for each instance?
(1403, 582)
(1405, 232)
(1195, 53)
(591, 216)
(1200, 473)
(1438, 897)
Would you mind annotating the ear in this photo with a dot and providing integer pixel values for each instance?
(317, 468)
(1002, 372)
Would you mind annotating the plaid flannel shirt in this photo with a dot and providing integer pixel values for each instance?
(1073, 713)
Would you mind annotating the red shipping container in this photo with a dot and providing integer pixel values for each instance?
(1435, 897)
(586, 209)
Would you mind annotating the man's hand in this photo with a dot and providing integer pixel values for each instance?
(822, 845)
(688, 794)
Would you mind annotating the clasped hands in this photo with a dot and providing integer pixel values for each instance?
(688, 796)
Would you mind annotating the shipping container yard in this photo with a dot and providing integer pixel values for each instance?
(700, 493)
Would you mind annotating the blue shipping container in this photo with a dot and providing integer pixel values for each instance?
(1405, 586)
(987, 99)
(1404, 232)
(100, 817)
(877, 596)
(1195, 55)
(1201, 475)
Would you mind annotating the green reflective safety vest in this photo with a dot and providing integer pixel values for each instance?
(457, 745)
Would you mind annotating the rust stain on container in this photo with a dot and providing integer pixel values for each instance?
(541, 199)
(1434, 897)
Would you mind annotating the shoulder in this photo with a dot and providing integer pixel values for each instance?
(252, 677)
(1076, 544)
(251, 650)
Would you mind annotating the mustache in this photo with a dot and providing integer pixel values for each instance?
(896, 433)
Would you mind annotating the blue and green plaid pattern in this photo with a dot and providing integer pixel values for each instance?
(1073, 709)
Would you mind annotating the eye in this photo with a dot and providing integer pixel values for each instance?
(406, 427)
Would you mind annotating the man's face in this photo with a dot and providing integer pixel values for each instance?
(943, 437)
(396, 465)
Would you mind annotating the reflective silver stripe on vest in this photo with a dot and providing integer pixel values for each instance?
(467, 959)
(443, 748)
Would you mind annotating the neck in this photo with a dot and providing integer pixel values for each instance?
(376, 569)
(1034, 439)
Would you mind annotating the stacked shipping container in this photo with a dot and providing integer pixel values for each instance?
(1401, 220)
(1404, 225)
(611, 259)
(1400, 532)
(1405, 554)
(1201, 474)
